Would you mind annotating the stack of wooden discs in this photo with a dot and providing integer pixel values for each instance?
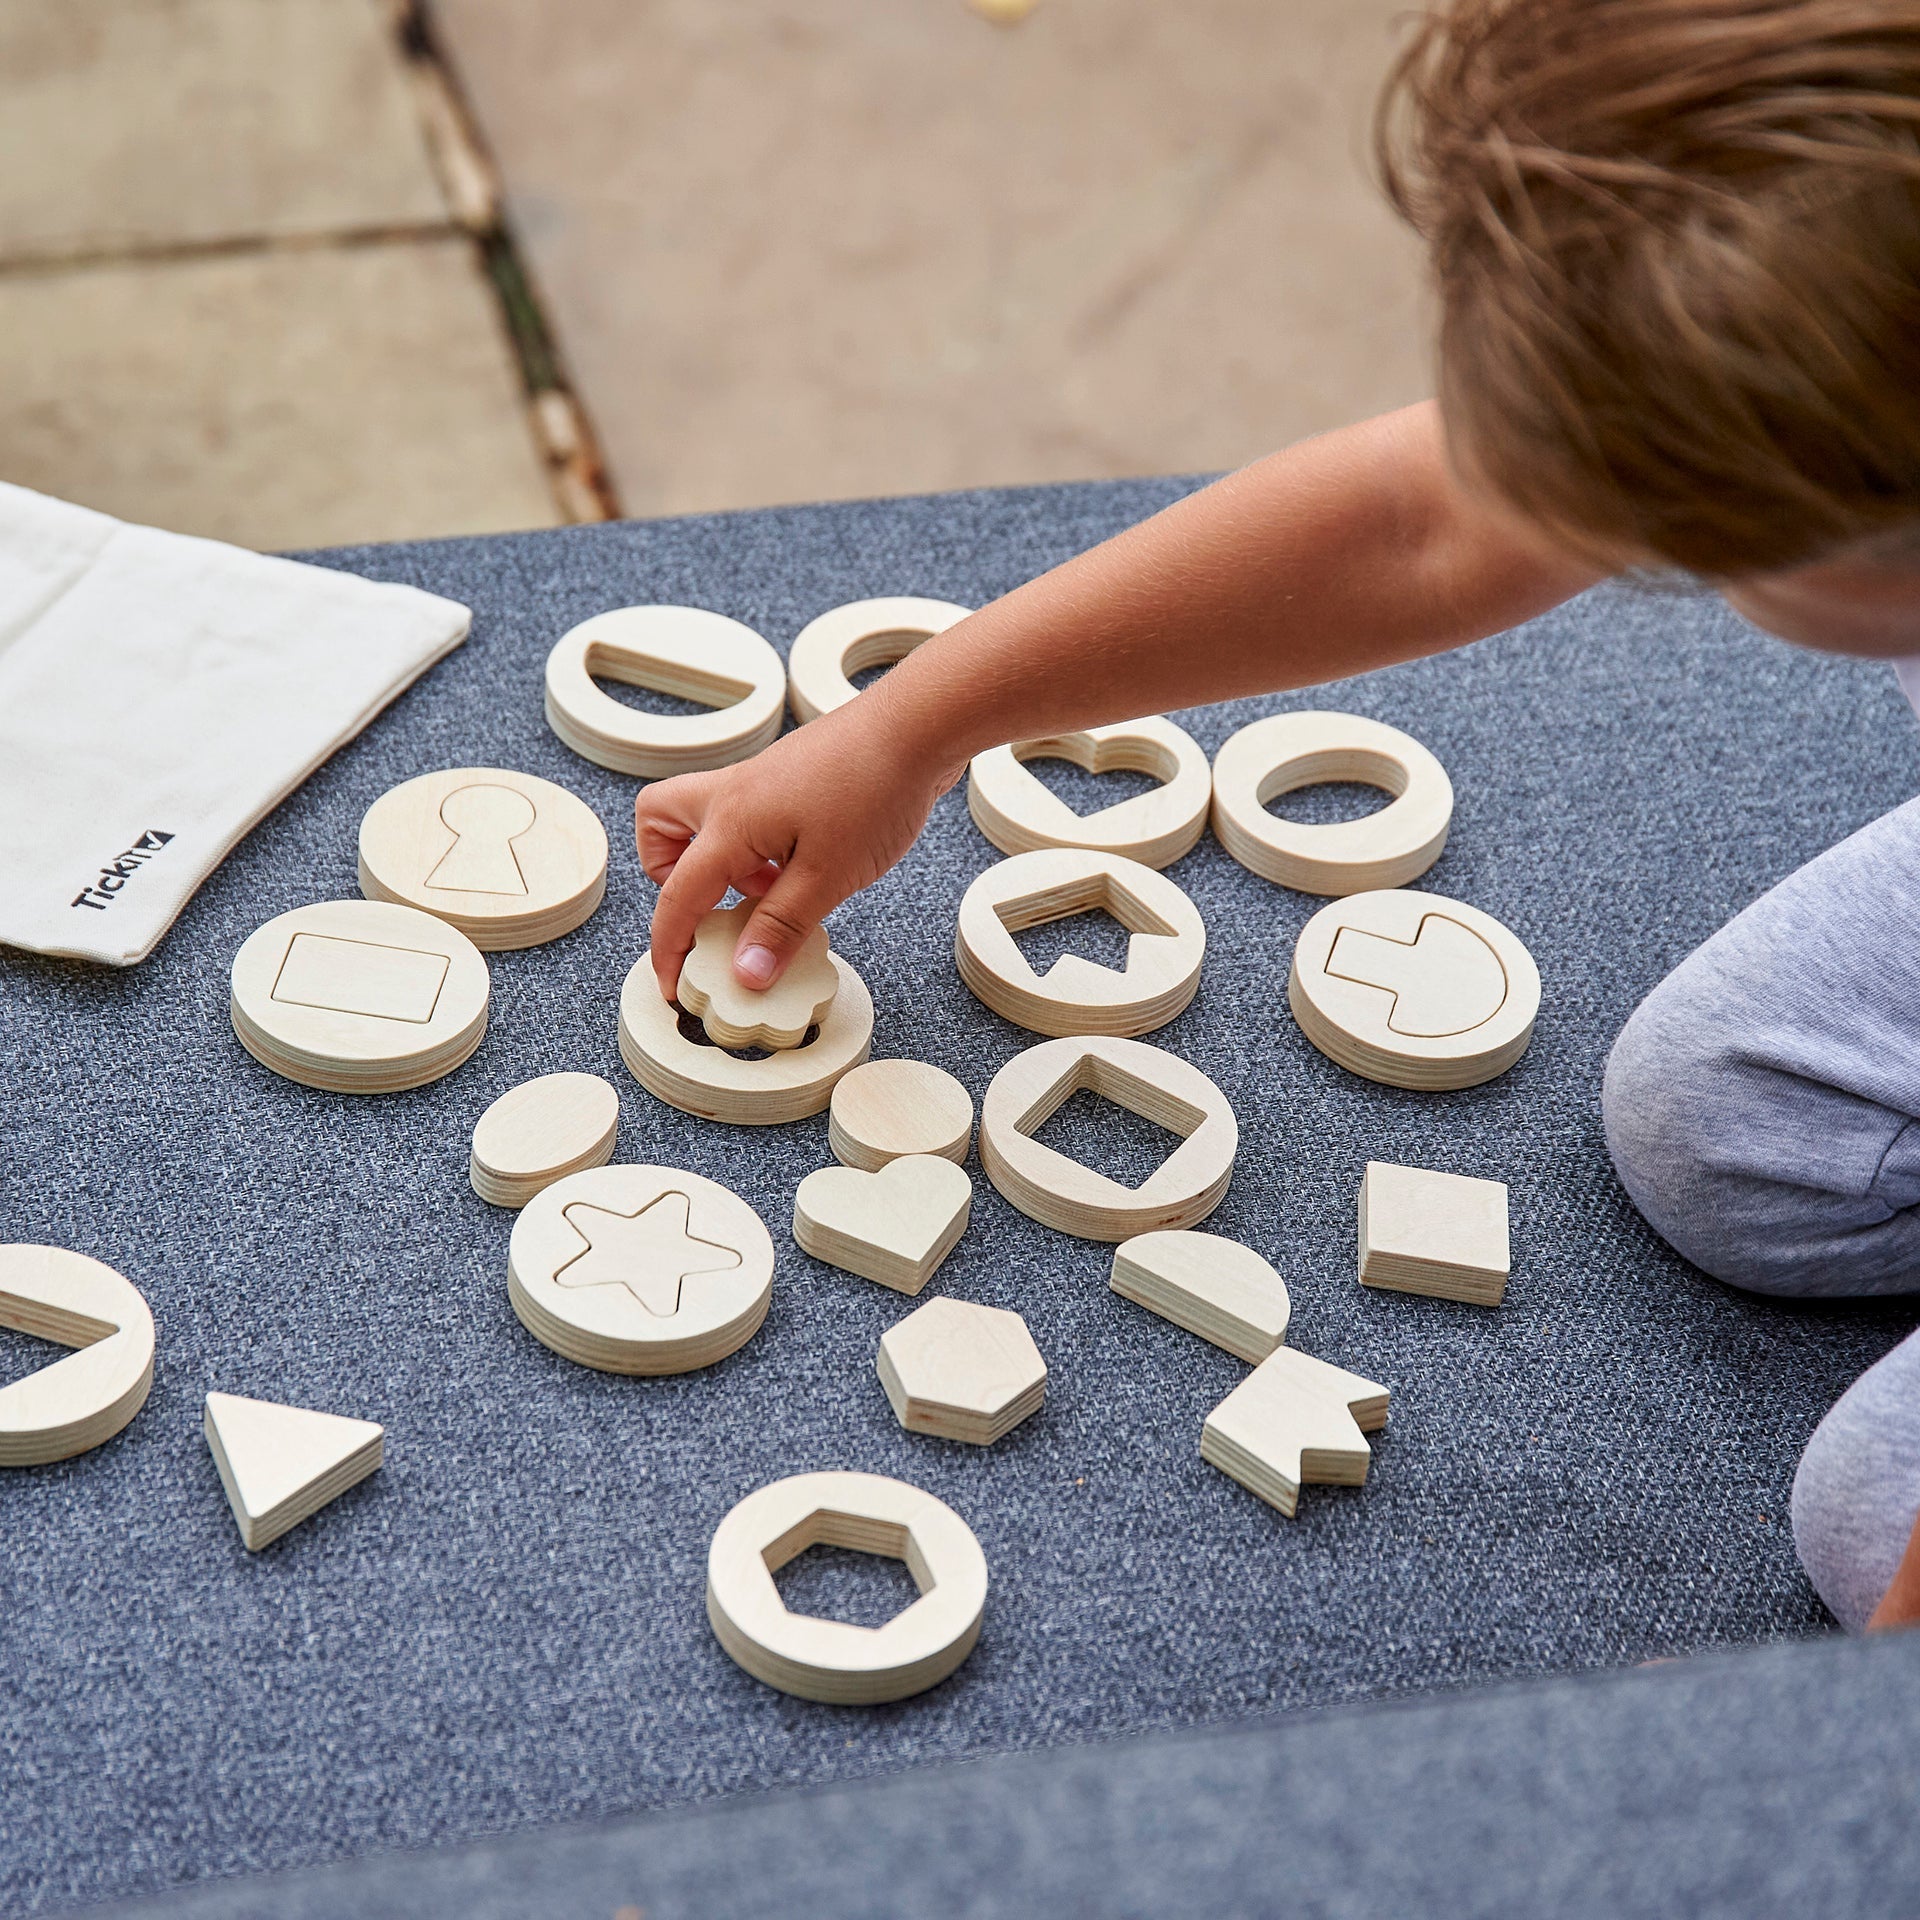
(540, 1132)
(359, 996)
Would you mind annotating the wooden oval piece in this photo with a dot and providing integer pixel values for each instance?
(817, 1659)
(888, 1108)
(847, 640)
(1289, 750)
(510, 860)
(541, 1131)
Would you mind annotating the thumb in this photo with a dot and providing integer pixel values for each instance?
(786, 913)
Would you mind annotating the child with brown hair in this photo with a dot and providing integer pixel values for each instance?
(1677, 249)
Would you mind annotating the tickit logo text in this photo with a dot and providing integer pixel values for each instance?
(99, 893)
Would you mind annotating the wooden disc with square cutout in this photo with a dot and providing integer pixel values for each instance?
(889, 1108)
(640, 1270)
(829, 651)
(359, 996)
(685, 652)
(510, 860)
(1019, 815)
(1059, 1192)
(743, 1091)
(1288, 750)
(816, 1659)
(1166, 945)
(1413, 989)
(74, 1403)
(541, 1131)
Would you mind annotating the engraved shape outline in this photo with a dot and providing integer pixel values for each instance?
(379, 946)
(686, 1234)
(533, 820)
(1393, 993)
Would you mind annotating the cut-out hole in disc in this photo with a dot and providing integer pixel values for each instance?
(865, 678)
(25, 1353)
(691, 1029)
(666, 706)
(838, 1583)
(1094, 935)
(1328, 802)
(1085, 792)
(1108, 1138)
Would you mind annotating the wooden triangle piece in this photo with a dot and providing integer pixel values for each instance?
(280, 1465)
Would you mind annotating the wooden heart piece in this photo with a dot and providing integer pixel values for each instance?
(776, 1017)
(894, 1226)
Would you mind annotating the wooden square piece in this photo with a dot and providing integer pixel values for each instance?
(1436, 1233)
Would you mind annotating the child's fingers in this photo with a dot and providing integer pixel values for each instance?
(666, 816)
(698, 881)
(790, 909)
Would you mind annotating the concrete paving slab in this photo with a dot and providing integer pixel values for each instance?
(143, 123)
(854, 247)
(280, 398)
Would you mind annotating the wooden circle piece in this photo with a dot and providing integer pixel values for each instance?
(889, 1109)
(1289, 750)
(1059, 1192)
(1019, 815)
(541, 1131)
(829, 1660)
(685, 652)
(829, 651)
(72, 1404)
(1167, 943)
(511, 860)
(717, 1085)
(1413, 989)
(359, 996)
(640, 1270)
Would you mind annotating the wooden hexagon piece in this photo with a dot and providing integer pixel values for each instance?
(776, 1017)
(962, 1371)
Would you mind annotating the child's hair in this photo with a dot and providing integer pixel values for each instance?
(1677, 250)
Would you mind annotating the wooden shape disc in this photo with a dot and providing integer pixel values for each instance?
(1059, 1192)
(817, 1659)
(541, 1131)
(359, 996)
(74, 1403)
(640, 1270)
(1289, 750)
(1019, 815)
(1167, 942)
(509, 859)
(739, 1016)
(1413, 989)
(890, 1108)
(847, 640)
(685, 652)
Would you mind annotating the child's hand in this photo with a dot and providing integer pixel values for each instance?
(820, 814)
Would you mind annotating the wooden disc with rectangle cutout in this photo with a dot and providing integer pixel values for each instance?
(1413, 989)
(847, 640)
(510, 860)
(359, 996)
(1019, 815)
(1059, 1192)
(685, 652)
(1166, 945)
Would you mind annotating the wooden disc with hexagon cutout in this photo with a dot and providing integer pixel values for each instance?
(640, 1269)
(961, 1371)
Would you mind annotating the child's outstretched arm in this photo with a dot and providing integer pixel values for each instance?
(1344, 553)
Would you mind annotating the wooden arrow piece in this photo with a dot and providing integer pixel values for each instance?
(1294, 1420)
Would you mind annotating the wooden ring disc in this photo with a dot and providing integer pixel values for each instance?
(1372, 994)
(510, 859)
(1289, 750)
(829, 651)
(888, 1109)
(817, 1659)
(1059, 1192)
(541, 1131)
(1019, 815)
(359, 996)
(72, 1404)
(1167, 944)
(686, 652)
(640, 1270)
(787, 1085)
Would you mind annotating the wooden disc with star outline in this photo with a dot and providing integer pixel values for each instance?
(640, 1269)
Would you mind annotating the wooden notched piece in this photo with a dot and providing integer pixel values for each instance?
(829, 1660)
(1059, 1192)
(74, 1403)
(1292, 1421)
(746, 1017)
(889, 1108)
(1167, 942)
(894, 1226)
(541, 1131)
(685, 652)
(961, 1371)
(281, 1465)
(1443, 1234)
(847, 640)
(511, 860)
(1019, 815)
(1413, 989)
(1290, 750)
(1208, 1284)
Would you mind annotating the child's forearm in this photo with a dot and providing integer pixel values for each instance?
(1341, 554)
(1900, 1604)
